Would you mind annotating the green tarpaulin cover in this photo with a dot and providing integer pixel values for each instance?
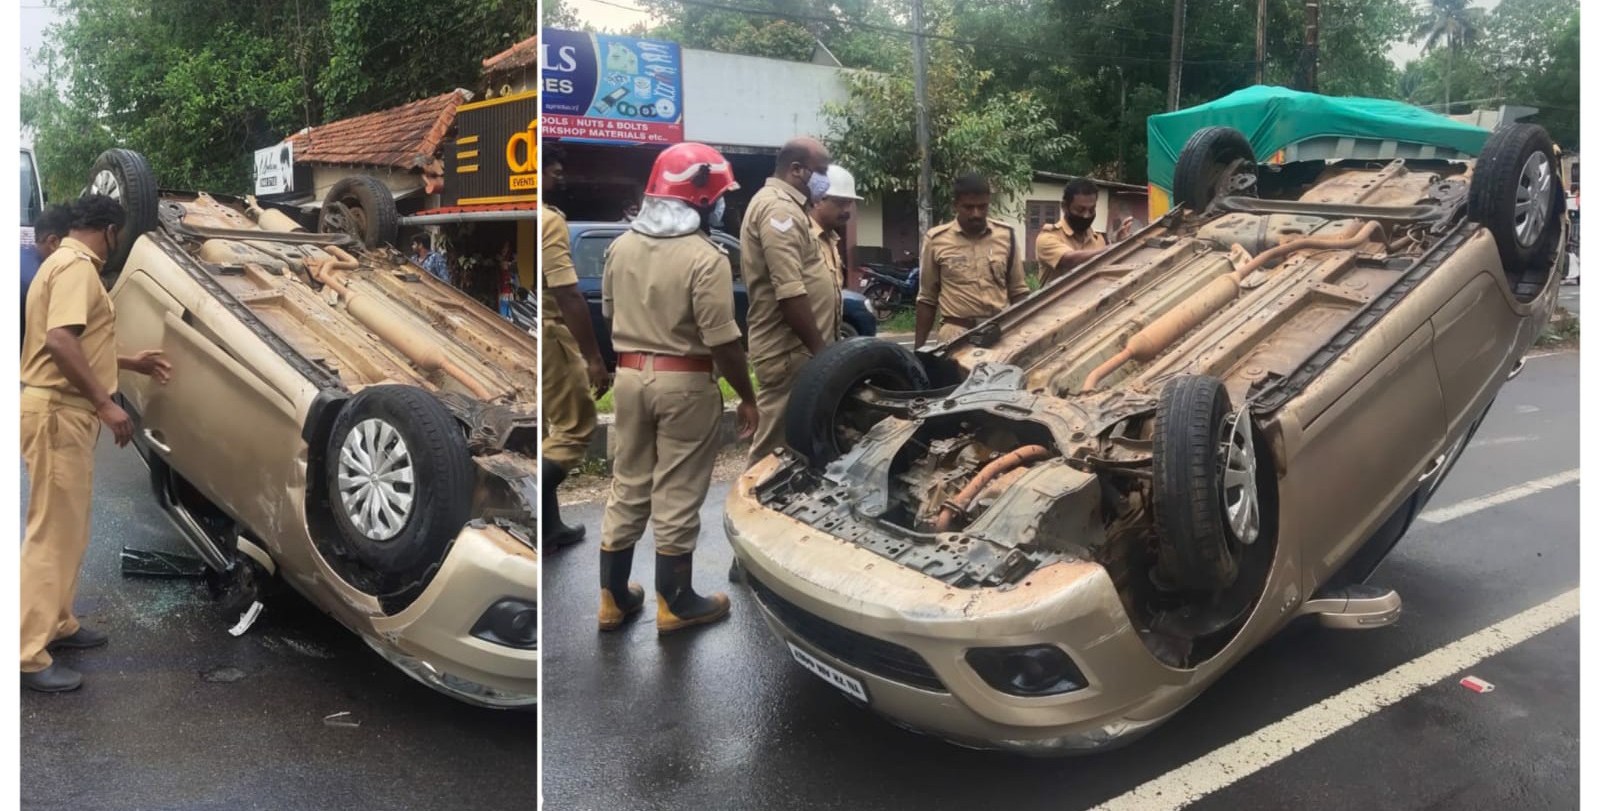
(1275, 117)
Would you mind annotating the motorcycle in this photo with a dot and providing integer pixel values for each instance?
(889, 288)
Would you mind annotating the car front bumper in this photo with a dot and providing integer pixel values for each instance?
(904, 636)
(432, 640)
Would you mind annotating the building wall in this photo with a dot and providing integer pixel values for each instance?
(749, 101)
(325, 177)
(869, 223)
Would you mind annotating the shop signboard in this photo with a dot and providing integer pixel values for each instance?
(275, 169)
(495, 157)
(610, 89)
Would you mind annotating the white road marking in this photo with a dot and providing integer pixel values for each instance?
(1501, 440)
(1252, 753)
(1527, 409)
(1497, 498)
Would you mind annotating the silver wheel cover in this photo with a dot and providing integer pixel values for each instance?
(105, 182)
(1241, 498)
(1533, 199)
(376, 479)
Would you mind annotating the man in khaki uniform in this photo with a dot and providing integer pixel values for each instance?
(69, 372)
(1071, 241)
(795, 301)
(668, 290)
(971, 268)
(571, 371)
(830, 215)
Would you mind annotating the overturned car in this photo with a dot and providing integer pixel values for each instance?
(1052, 533)
(337, 419)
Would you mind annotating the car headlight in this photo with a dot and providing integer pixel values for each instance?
(1029, 670)
(510, 622)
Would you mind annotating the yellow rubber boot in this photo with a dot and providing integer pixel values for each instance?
(677, 605)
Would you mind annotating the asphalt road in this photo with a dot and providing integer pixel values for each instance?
(724, 719)
(177, 715)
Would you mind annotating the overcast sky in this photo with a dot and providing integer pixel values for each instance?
(35, 16)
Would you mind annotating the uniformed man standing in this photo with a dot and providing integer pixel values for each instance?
(971, 268)
(69, 372)
(829, 216)
(1071, 241)
(572, 374)
(795, 301)
(668, 291)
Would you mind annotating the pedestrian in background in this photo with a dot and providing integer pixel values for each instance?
(69, 374)
(49, 228)
(423, 255)
(971, 269)
(795, 301)
(572, 373)
(668, 291)
(830, 215)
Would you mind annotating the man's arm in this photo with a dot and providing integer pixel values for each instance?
(1016, 281)
(735, 368)
(561, 279)
(784, 239)
(64, 348)
(797, 314)
(711, 296)
(927, 293)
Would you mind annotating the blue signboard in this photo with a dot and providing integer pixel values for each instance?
(599, 87)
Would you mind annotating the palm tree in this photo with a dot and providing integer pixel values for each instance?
(1452, 24)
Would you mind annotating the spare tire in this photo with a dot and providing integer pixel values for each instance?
(1207, 500)
(815, 414)
(362, 207)
(125, 176)
(399, 479)
(1207, 164)
(1516, 195)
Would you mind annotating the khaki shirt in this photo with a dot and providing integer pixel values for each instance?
(782, 259)
(1056, 241)
(668, 295)
(971, 277)
(67, 292)
(828, 242)
(555, 260)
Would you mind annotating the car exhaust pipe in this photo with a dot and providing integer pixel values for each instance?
(1173, 324)
(1027, 454)
(374, 315)
(271, 219)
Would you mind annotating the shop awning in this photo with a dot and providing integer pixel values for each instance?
(496, 212)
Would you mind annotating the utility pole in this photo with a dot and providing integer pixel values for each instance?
(919, 74)
(1307, 78)
(1261, 41)
(1175, 72)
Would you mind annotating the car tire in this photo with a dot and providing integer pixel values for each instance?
(362, 207)
(1196, 445)
(424, 514)
(1210, 156)
(848, 330)
(125, 175)
(1502, 198)
(812, 418)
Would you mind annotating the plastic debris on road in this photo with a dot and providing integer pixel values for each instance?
(1477, 685)
(146, 563)
(341, 719)
(247, 619)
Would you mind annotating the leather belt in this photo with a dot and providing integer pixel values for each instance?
(664, 363)
(964, 323)
(58, 397)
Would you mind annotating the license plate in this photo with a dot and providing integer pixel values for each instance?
(849, 685)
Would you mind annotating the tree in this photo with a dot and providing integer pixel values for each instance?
(557, 14)
(1451, 24)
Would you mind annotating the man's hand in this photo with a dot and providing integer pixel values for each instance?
(747, 418)
(150, 363)
(599, 377)
(1124, 230)
(117, 420)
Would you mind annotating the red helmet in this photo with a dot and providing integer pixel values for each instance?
(693, 173)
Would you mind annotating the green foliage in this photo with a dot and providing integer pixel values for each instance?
(198, 85)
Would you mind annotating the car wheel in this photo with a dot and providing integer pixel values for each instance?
(1216, 161)
(1207, 504)
(125, 176)
(363, 208)
(818, 420)
(399, 478)
(1516, 195)
(848, 330)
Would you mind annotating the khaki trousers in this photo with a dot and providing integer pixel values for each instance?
(58, 448)
(774, 380)
(666, 446)
(948, 333)
(564, 400)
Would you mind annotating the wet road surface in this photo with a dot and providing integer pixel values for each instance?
(177, 715)
(724, 719)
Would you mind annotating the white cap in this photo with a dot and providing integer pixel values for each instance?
(841, 183)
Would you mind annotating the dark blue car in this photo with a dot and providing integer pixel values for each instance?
(589, 243)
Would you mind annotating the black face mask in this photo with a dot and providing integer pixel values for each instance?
(1079, 224)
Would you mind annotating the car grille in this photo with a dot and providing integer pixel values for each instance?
(883, 659)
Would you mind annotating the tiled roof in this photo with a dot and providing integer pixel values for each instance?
(517, 56)
(404, 137)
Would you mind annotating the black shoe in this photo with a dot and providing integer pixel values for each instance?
(83, 638)
(553, 533)
(57, 678)
(620, 600)
(677, 605)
